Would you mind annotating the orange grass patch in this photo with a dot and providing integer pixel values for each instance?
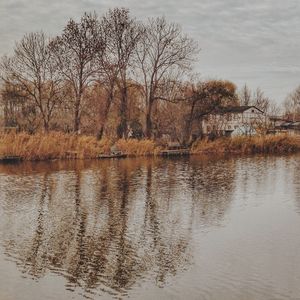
(279, 144)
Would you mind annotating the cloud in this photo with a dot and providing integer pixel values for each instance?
(255, 42)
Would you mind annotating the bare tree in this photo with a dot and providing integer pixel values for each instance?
(163, 55)
(109, 71)
(261, 101)
(32, 71)
(258, 99)
(18, 111)
(76, 52)
(292, 105)
(122, 36)
(245, 95)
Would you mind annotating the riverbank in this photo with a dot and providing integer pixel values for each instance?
(66, 146)
(266, 144)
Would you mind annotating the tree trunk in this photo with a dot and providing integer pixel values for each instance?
(77, 114)
(100, 133)
(148, 120)
(122, 128)
(5, 112)
(46, 126)
(106, 112)
(189, 123)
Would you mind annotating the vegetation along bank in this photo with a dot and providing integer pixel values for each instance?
(69, 146)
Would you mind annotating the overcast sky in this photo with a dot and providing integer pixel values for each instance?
(255, 42)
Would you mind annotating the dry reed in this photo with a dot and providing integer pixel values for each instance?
(278, 144)
(51, 146)
(135, 147)
(56, 145)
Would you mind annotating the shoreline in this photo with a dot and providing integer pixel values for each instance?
(59, 146)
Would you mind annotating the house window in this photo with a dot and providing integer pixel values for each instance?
(253, 110)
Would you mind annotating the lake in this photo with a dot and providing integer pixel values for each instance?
(187, 228)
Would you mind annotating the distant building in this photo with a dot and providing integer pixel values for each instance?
(281, 125)
(289, 127)
(234, 120)
(277, 121)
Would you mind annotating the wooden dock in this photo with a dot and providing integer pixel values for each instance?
(10, 159)
(103, 156)
(175, 152)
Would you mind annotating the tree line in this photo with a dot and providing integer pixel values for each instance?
(115, 76)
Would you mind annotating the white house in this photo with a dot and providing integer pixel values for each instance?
(234, 120)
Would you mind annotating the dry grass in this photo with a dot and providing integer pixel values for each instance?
(60, 146)
(279, 144)
(134, 147)
(56, 145)
(51, 146)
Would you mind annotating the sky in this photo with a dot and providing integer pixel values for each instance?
(253, 42)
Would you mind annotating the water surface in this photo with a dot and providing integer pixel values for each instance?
(192, 228)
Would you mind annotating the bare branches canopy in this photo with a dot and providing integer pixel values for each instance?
(32, 73)
(164, 55)
(75, 53)
(115, 76)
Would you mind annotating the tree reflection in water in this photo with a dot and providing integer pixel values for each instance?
(106, 226)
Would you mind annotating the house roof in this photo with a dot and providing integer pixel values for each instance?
(236, 109)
